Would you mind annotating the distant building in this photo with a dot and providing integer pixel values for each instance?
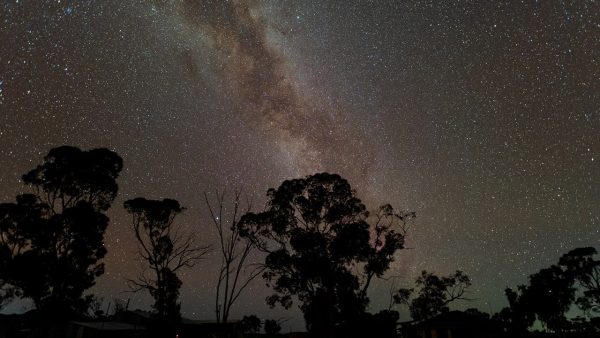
(125, 324)
(279, 335)
(105, 330)
(187, 327)
(208, 329)
(453, 324)
(296, 335)
(137, 317)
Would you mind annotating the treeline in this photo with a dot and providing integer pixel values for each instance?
(571, 284)
(318, 246)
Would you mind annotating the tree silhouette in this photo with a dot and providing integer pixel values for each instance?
(434, 295)
(518, 316)
(119, 306)
(165, 249)
(15, 221)
(235, 272)
(551, 293)
(382, 325)
(272, 327)
(317, 237)
(95, 309)
(581, 265)
(51, 241)
(250, 324)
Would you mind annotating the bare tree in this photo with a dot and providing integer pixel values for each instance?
(165, 249)
(236, 271)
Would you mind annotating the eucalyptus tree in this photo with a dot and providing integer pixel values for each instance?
(323, 248)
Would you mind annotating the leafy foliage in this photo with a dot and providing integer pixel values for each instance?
(581, 265)
(69, 176)
(434, 295)
(250, 324)
(51, 241)
(317, 234)
(272, 327)
(517, 317)
(552, 292)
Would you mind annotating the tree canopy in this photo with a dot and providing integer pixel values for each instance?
(581, 265)
(51, 241)
(553, 291)
(317, 234)
(434, 294)
(272, 327)
(250, 324)
(165, 250)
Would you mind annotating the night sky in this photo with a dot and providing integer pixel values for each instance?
(481, 116)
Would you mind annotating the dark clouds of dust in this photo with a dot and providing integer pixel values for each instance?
(311, 137)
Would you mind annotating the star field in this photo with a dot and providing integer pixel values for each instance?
(484, 118)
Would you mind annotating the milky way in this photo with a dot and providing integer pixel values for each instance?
(482, 118)
(238, 33)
